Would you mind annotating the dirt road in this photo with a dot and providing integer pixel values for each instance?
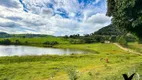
(127, 49)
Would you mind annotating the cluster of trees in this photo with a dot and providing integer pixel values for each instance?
(126, 14)
(75, 36)
(17, 42)
(90, 39)
(9, 42)
(6, 42)
(109, 33)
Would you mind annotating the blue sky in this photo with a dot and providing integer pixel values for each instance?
(53, 17)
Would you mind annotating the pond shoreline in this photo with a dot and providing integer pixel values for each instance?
(22, 50)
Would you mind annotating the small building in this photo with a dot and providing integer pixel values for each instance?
(107, 42)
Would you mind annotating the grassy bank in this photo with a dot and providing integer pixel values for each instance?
(135, 46)
(88, 66)
(98, 47)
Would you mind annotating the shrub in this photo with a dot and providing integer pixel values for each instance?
(6, 42)
(17, 42)
(72, 73)
(51, 43)
(122, 41)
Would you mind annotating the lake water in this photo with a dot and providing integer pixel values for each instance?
(13, 50)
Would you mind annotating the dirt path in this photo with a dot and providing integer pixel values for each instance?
(127, 49)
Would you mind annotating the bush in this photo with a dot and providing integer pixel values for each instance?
(122, 41)
(113, 39)
(26, 42)
(100, 39)
(131, 38)
(17, 42)
(89, 40)
(51, 43)
(72, 73)
(6, 42)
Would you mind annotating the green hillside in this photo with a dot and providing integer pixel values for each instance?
(109, 30)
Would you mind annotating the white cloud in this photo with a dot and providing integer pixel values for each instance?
(43, 20)
(99, 19)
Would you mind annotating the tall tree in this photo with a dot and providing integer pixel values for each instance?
(127, 14)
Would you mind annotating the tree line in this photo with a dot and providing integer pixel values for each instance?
(18, 42)
(109, 33)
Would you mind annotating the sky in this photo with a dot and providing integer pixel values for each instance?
(53, 17)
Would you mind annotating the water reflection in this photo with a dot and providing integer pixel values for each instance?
(13, 50)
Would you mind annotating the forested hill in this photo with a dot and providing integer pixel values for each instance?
(109, 30)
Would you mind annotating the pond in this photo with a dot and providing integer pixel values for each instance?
(13, 50)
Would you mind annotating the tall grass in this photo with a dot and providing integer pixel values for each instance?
(72, 73)
(90, 66)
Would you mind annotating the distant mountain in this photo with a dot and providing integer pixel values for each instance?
(109, 31)
(30, 35)
(2, 33)
(6, 35)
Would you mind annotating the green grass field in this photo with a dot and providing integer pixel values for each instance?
(135, 46)
(98, 47)
(85, 66)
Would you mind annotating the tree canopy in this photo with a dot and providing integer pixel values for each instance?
(127, 14)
